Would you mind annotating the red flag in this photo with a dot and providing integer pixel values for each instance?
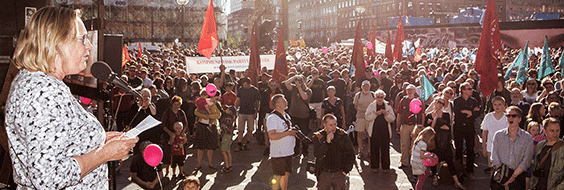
(139, 50)
(398, 43)
(358, 56)
(488, 50)
(373, 41)
(388, 54)
(417, 56)
(372, 51)
(368, 53)
(124, 56)
(280, 67)
(254, 60)
(208, 38)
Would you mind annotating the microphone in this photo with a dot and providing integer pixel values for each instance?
(100, 70)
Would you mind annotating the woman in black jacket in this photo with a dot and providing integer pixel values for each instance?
(440, 121)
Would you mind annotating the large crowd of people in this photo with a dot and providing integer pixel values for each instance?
(518, 126)
(377, 104)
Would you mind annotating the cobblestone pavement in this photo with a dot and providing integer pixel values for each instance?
(252, 170)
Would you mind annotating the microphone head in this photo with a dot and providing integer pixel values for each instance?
(101, 70)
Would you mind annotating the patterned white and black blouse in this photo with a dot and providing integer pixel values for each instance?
(47, 127)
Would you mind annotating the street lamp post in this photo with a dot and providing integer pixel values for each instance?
(183, 25)
(359, 10)
(299, 28)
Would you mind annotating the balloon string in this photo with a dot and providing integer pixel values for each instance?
(159, 177)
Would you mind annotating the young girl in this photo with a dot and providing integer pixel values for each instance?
(192, 183)
(226, 124)
(203, 105)
(535, 130)
(177, 149)
(425, 141)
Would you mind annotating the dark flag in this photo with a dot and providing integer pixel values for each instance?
(398, 43)
(358, 56)
(372, 51)
(488, 51)
(254, 60)
(388, 54)
(139, 50)
(280, 67)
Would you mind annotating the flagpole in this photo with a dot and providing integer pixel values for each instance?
(221, 53)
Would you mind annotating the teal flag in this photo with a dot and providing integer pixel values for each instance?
(524, 55)
(546, 68)
(561, 62)
(516, 63)
(427, 88)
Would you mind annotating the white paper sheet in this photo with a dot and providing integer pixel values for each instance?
(147, 123)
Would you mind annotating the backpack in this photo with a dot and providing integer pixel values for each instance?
(353, 109)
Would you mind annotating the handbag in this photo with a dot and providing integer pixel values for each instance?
(502, 174)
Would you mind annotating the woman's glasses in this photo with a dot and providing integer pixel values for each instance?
(83, 38)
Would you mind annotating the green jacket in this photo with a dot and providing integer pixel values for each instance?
(556, 174)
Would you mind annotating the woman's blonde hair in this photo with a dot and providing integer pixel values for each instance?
(40, 41)
(427, 135)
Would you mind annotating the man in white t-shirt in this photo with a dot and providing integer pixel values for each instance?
(493, 122)
(282, 142)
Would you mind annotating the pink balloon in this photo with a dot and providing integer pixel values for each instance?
(430, 161)
(211, 89)
(325, 50)
(85, 100)
(376, 73)
(369, 45)
(415, 106)
(153, 155)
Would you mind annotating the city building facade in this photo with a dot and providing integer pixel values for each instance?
(335, 20)
(154, 20)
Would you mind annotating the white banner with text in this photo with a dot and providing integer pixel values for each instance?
(239, 63)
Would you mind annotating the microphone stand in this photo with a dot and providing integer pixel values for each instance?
(110, 120)
(110, 115)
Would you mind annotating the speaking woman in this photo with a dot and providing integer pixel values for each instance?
(54, 142)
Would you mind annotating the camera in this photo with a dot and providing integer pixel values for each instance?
(311, 166)
(539, 173)
(301, 135)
